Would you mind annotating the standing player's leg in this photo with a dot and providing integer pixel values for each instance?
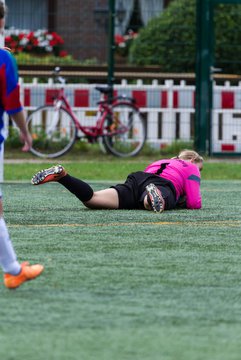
(15, 274)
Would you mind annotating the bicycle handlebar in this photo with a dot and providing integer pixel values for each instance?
(58, 78)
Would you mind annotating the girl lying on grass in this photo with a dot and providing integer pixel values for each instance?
(164, 184)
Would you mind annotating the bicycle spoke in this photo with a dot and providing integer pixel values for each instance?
(53, 131)
(126, 132)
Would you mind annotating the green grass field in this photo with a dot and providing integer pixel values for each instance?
(123, 285)
(114, 169)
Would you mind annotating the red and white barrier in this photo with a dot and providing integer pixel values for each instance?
(169, 109)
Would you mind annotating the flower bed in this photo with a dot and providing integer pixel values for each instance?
(123, 42)
(40, 42)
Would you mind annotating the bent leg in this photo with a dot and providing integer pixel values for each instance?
(154, 199)
(104, 199)
(166, 195)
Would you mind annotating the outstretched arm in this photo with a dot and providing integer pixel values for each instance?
(19, 119)
(192, 191)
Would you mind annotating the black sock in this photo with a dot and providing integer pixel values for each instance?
(79, 188)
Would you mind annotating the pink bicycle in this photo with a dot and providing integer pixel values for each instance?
(119, 125)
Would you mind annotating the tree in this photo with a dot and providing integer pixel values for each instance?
(169, 40)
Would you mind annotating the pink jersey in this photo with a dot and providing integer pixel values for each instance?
(184, 175)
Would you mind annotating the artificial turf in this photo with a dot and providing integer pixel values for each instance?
(123, 285)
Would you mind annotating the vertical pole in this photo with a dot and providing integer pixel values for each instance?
(211, 72)
(111, 45)
(203, 102)
(2, 146)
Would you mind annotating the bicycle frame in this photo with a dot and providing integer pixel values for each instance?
(104, 110)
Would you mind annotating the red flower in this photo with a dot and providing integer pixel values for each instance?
(119, 39)
(123, 42)
(36, 42)
(63, 53)
(8, 39)
(21, 36)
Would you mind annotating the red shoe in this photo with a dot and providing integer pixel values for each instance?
(28, 272)
(53, 173)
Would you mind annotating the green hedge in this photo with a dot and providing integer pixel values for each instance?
(169, 40)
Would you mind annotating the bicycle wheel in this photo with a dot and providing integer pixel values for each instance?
(53, 131)
(126, 130)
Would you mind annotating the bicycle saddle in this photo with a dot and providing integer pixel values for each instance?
(104, 90)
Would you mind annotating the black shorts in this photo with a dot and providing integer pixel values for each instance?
(132, 192)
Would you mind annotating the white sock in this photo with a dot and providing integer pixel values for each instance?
(8, 258)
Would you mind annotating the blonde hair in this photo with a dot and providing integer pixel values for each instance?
(190, 155)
